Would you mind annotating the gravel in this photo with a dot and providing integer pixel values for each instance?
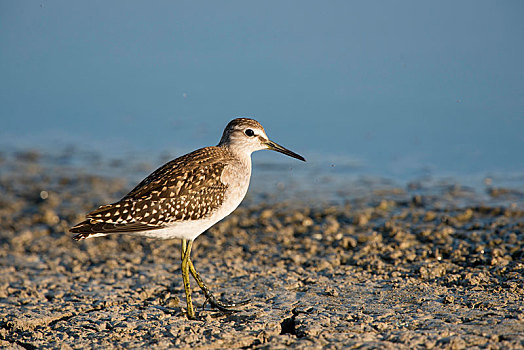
(416, 266)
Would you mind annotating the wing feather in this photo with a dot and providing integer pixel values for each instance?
(187, 188)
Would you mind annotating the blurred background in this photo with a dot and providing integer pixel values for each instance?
(398, 90)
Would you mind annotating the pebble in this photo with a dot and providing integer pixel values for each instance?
(368, 273)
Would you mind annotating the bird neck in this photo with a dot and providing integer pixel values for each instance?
(243, 155)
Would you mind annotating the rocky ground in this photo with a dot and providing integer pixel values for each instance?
(395, 267)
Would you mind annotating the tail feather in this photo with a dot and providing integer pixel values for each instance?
(81, 236)
(94, 228)
(84, 230)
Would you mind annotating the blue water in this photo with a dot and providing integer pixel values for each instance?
(392, 89)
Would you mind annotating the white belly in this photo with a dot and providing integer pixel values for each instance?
(183, 230)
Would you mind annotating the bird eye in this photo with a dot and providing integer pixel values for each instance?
(250, 132)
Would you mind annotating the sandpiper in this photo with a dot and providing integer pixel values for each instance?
(186, 196)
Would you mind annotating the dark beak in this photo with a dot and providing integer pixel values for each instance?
(276, 147)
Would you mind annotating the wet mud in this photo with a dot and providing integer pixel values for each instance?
(399, 267)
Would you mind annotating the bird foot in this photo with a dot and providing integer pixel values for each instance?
(222, 306)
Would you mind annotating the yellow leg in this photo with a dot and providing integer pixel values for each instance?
(186, 263)
(209, 296)
(187, 267)
(198, 279)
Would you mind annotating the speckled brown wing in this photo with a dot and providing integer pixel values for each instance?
(187, 188)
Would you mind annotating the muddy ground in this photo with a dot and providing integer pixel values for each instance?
(398, 267)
